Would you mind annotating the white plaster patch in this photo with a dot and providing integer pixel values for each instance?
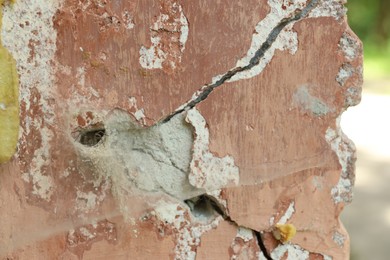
(153, 57)
(85, 232)
(42, 186)
(339, 239)
(189, 238)
(3, 106)
(35, 71)
(288, 214)
(349, 46)
(345, 149)
(326, 257)
(184, 29)
(245, 234)
(171, 213)
(304, 100)
(208, 171)
(86, 201)
(318, 182)
(345, 72)
(352, 96)
(175, 24)
(216, 194)
(286, 40)
(187, 234)
(272, 220)
(80, 76)
(128, 20)
(294, 252)
(139, 112)
(329, 8)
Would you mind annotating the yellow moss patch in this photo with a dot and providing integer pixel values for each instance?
(9, 104)
(284, 232)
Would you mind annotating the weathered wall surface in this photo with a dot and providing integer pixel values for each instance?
(179, 129)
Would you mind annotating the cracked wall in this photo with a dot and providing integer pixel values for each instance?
(180, 130)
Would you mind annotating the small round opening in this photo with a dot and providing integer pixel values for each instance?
(91, 136)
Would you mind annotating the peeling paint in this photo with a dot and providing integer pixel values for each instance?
(244, 245)
(169, 34)
(287, 39)
(207, 171)
(288, 214)
(139, 112)
(36, 72)
(153, 57)
(128, 19)
(293, 252)
(274, 32)
(187, 234)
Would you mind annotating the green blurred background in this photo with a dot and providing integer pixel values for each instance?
(370, 20)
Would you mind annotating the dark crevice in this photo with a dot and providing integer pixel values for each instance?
(255, 60)
(261, 245)
(207, 206)
(91, 137)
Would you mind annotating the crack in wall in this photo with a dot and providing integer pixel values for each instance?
(209, 203)
(255, 60)
(261, 244)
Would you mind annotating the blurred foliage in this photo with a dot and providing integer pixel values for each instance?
(370, 20)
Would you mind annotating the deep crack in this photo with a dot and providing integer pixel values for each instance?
(220, 211)
(261, 245)
(255, 60)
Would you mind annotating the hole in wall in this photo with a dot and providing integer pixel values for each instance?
(91, 136)
(205, 207)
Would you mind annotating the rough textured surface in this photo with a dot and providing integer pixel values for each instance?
(179, 130)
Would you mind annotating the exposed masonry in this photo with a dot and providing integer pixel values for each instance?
(254, 60)
(345, 151)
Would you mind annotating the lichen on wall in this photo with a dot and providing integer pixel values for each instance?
(9, 103)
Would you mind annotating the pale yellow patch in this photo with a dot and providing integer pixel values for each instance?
(284, 232)
(9, 104)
